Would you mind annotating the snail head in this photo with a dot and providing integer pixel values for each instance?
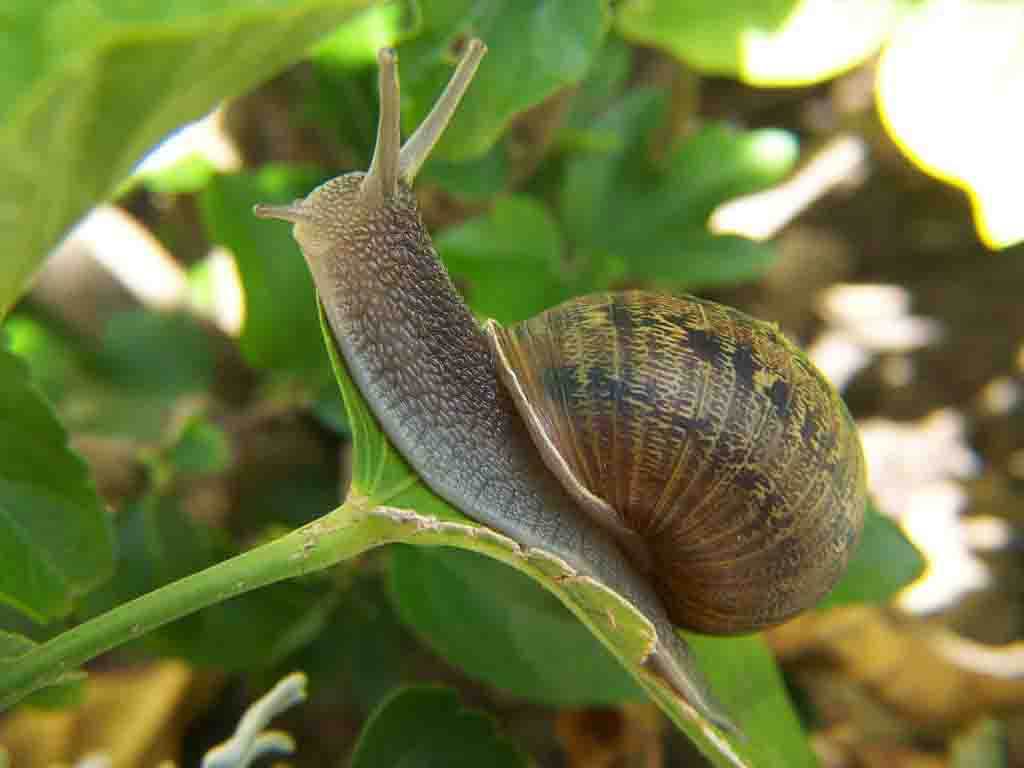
(350, 201)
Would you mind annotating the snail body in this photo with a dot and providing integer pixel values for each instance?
(475, 412)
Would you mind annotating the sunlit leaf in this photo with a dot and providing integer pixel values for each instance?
(535, 47)
(54, 363)
(87, 88)
(354, 44)
(188, 175)
(763, 42)
(949, 90)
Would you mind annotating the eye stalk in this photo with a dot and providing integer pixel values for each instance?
(391, 161)
(381, 180)
(293, 212)
(419, 145)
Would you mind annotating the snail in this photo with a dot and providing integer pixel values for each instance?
(679, 451)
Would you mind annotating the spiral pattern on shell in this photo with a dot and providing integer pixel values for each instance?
(710, 435)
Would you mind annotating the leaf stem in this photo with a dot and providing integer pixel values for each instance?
(337, 536)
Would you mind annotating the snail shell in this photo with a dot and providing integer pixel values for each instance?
(704, 440)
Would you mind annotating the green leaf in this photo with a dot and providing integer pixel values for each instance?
(885, 562)
(743, 672)
(188, 175)
(87, 88)
(364, 650)
(423, 726)
(146, 363)
(281, 327)
(719, 163)
(127, 385)
(354, 44)
(535, 47)
(508, 260)
(330, 411)
(416, 516)
(949, 86)
(654, 220)
(54, 363)
(598, 181)
(284, 617)
(156, 354)
(201, 448)
(702, 259)
(65, 691)
(763, 42)
(605, 82)
(500, 627)
(56, 541)
(339, 100)
(983, 745)
(158, 543)
(290, 495)
(479, 178)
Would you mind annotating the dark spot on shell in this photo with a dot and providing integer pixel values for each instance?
(646, 320)
(748, 479)
(774, 505)
(619, 313)
(683, 424)
(705, 344)
(810, 427)
(601, 386)
(622, 307)
(745, 365)
(779, 395)
(650, 390)
(830, 440)
(559, 382)
(677, 320)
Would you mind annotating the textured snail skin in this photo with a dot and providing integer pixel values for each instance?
(710, 436)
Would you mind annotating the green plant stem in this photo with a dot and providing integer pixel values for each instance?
(337, 536)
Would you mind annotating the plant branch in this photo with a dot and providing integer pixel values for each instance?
(337, 536)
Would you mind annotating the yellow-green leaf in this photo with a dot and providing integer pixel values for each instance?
(951, 93)
(763, 42)
(87, 88)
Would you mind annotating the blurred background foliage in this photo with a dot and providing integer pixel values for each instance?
(754, 152)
